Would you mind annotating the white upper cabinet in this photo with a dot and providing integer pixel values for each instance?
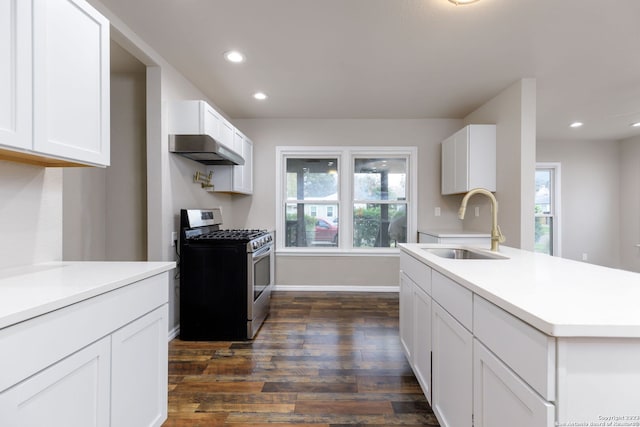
(196, 117)
(469, 159)
(66, 44)
(236, 179)
(15, 74)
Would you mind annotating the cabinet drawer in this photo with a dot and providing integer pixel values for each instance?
(31, 346)
(418, 272)
(526, 350)
(454, 298)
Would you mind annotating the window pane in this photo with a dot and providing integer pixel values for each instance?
(305, 230)
(312, 179)
(379, 225)
(543, 191)
(544, 235)
(380, 179)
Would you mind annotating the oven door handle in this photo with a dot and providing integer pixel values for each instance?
(262, 253)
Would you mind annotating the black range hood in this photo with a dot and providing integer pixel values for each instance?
(203, 149)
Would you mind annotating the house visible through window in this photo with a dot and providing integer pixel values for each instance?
(345, 198)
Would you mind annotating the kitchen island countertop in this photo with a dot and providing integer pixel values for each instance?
(560, 297)
(30, 291)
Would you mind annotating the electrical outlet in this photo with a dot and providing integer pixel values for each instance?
(477, 211)
(585, 257)
(436, 211)
(174, 238)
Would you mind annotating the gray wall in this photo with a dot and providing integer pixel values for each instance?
(104, 210)
(630, 204)
(590, 198)
(514, 113)
(30, 214)
(348, 270)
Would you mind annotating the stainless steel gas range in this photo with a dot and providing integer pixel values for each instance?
(226, 278)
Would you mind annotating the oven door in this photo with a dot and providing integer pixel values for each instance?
(259, 285)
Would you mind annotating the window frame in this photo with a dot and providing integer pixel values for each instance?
(345, 156)
(554, 193)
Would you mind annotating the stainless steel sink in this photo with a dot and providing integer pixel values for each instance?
(464, 253)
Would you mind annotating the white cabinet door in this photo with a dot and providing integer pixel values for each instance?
(247, 169)
(422, 340)
(448, 165)
(139, 372)
(461, 162)
(72, 393)
(212, 121)
(15, 73)
(238, 171)
(406, 316)
(452, 370)
(469, 159)
(71, 81)
(236, 179)
(502, 399)
(227, 133)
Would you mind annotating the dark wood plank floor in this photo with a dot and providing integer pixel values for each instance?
(320, 359)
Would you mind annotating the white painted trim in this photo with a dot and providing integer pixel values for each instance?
(338, 288)
(174, 332)
(395, 253)
(345, 191)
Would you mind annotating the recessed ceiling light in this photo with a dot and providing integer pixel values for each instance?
(234, 56)
(576, 124)
(261, 96)
(457, 2)
(635, 125)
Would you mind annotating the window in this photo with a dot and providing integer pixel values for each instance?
(345, 198)
(547, 212)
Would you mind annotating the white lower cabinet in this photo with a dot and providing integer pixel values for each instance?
(406, 316)
(72, 393)
(452, 347)
(422, 340)
(501, 398)
(139, 371)
(98, 362)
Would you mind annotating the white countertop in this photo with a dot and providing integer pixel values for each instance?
(31, 291)
(560, 297)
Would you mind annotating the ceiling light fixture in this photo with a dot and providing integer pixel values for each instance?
(576, 124)
(234, 56)
(458, 2)
(635, 125)
(260, 96)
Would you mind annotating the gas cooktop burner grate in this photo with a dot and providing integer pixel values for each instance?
(231, 235)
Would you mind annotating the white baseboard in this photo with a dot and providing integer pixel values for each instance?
(336, 288)
(174, 332)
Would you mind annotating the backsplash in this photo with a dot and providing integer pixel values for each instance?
(30, 214)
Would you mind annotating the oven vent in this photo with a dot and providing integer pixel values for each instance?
(203, 149)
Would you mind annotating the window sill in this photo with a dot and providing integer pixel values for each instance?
(314, 252)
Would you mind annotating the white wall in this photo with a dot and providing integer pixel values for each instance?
(630, 204)
(514, 113)
(590, 194)
(30, 214)
(355, 270)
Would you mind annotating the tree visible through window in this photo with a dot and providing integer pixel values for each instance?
(333, 191)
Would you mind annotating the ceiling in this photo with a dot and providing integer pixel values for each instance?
(405, 58)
